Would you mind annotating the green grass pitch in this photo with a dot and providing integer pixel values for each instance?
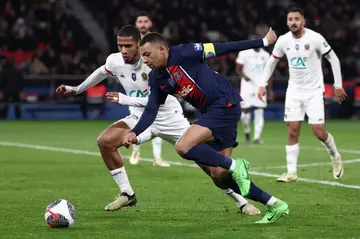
(175, 202)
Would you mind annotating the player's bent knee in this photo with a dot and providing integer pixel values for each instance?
(181, 148)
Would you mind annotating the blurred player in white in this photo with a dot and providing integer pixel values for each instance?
(250, 65)
(304, 49)
(170, 124)
(144, 24)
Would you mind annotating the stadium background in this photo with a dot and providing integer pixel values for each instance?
(54, 42)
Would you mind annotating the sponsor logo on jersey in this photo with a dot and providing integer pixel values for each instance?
(325, 44)
(184, 91)
(122, 75)
(139, 93)
(307, 47)
(298, 62)
(297, 47)
(144, 76)
(133, 76)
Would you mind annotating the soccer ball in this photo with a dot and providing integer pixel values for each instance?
(60, 213)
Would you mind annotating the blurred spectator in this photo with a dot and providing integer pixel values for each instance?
(47, 29)
(11, 86)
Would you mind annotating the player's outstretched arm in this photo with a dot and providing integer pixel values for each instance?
(268, 70)
(218, 49)
(95, 78)
(336, 69)
(120, 98)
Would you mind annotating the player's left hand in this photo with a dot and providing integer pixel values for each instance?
(261, 93)
(271, 36)
(129, 139)
(340, 95)
(114, 97)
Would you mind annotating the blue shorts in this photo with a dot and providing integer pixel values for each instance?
(222, 121)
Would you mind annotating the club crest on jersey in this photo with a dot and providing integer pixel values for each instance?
(297, 47)
(144, 76)
(307, 47)
(133, 76)
(177, 76)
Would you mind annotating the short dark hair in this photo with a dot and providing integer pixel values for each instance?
(129, 31)
(143, 14)
(154, 37)
(295, 9)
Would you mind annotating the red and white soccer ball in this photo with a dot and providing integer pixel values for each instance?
(60, 213)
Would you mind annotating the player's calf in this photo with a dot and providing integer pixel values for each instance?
(320, 132)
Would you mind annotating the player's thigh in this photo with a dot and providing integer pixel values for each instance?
(294, 109)
(113, 134)
(173, 131)
(315, 110)
(194, 135)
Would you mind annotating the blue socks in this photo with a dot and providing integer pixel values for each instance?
(204, 154)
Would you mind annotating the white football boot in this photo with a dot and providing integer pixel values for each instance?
(122, 200)
(338, 168)
(135, 157)
(287, 177)
(250, 210)
(159, 162)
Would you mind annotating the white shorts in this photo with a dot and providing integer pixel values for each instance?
(251, 100)
(170, 130)
(312, 104)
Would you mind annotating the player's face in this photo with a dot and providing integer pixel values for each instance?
(129, 49)
(144, 24)
(154, 55)
(295, 21)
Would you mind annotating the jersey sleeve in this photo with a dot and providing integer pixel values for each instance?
(278, 50)
(323, 47)
(156, 98)
(240, 59)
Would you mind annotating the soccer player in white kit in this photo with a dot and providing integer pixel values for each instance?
(144, 24)
(304, 49)
(170, 124)
(250, 65)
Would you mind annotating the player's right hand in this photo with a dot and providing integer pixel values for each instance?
(129, 139)
(261, 93)
(271, 36)
(340, 95)
(62, 89)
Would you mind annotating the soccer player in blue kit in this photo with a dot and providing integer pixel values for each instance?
(181, 71)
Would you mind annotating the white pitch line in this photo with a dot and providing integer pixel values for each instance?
(308, 165)
(84, 152)
(350, 151)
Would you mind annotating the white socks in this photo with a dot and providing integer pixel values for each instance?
(121, 179)
(156, 144)
(271, 201)
(233, 165)
(330, 146)
(292, 154)
(239, 200)
(245, 119)
(258, 123)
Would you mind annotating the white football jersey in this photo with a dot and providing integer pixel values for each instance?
(253, 63)
(304, 57)
(134, 79)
